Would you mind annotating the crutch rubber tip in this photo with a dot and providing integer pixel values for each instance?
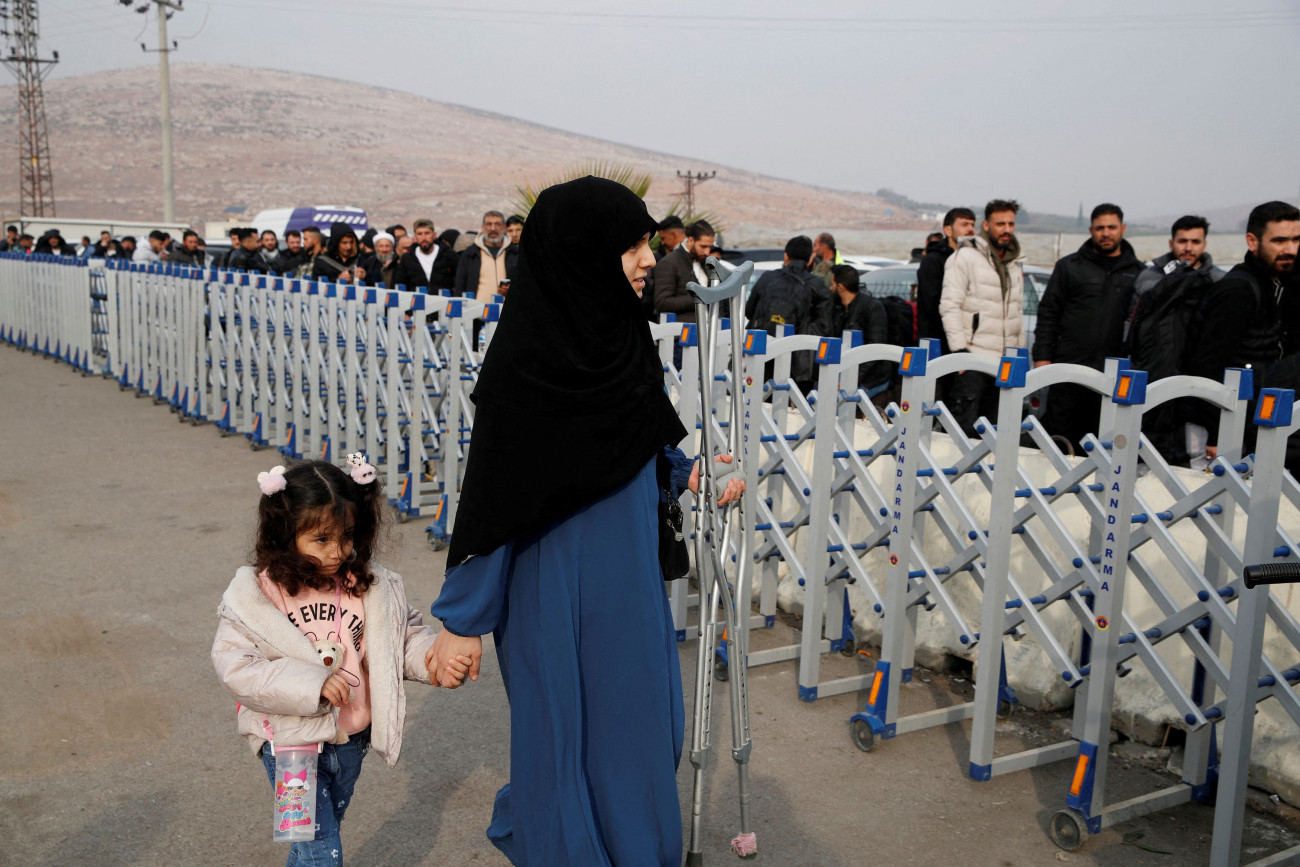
(694, 859)
(745, 845)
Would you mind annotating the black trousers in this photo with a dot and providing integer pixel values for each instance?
(969, 395)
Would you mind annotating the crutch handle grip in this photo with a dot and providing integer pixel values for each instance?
(1271, 573)
(728, 288)
(720, 482)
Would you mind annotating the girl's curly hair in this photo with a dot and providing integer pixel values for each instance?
(317, 494)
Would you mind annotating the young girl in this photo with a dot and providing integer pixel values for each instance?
(312, 580)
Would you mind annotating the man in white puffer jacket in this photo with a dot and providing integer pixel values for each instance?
(981, 306)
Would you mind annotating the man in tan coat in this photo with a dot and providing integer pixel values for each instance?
(981, 306)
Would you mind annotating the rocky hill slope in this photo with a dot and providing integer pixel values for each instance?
(259, 139)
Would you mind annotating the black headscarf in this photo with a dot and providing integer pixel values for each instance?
(570, 403)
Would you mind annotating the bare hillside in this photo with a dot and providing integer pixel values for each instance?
(264, 139)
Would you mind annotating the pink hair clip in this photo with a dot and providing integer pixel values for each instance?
(272, 482)
(362, 473)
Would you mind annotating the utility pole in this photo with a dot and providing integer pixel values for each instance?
(693, 181)
(165, 9)
(20, 25)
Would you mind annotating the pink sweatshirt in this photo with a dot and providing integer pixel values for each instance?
(325, 616)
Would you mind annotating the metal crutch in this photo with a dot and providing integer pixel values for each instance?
(713, 530)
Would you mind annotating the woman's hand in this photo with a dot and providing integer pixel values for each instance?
(735, 487)
(449, 656)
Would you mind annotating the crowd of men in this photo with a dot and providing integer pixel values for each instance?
(1179, 315)
(477, 263)
(1182, 314)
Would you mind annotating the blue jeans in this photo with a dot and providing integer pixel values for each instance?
(337, 769)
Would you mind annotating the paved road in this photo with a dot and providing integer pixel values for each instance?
(119, 530)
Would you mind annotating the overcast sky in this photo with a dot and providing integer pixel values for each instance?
(1166, 106)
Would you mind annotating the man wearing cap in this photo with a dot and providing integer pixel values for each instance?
(381, 265)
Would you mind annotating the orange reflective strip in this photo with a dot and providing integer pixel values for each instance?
(1123, 386)
(749, 342)
(1079, 771)
(821, 351)
(685, 331)
(438, 514)
(1266, 406)
(907, 360)
(1006, 371)
(875, 688)
(405, 481)
(324, 447)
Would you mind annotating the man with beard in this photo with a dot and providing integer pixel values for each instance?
(980, 306)
(188, 253)
(382, 263)
(263, 257)
(1248, 318)
(685, 265)
(957, 224)
(1081, 319)
(856, 310)
(1166, 297)
(488, 261)
(340, 262)
(429, 266)
(292, 256)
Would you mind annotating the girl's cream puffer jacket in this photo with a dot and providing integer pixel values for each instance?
(270, 668)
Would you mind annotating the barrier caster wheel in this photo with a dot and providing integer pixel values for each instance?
(849, 648)
(1067, 830)
(863, 737)
(402, 517)
(1006, 709)
(436, 543)
(720, 671)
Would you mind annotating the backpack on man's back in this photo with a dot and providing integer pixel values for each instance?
(1163, 319)
(901, 315)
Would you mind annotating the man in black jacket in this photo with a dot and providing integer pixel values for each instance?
(1081, 319)
(340, 261)
(293, 256)
(244, 256)
(681, 266)
(188, 253)
(1241, 324)
(957, 223)
(427, 267)
(671, 233)
(1187, 271)
(792, 296)
(855, 310)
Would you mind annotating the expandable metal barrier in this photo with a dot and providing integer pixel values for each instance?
(315, 368)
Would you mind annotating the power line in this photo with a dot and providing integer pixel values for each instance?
(20, 25)
(1110, 23)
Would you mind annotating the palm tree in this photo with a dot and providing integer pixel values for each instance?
(624, 173)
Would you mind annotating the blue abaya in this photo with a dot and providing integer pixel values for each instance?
(585, 642)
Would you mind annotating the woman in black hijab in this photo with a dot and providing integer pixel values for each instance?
(555, 548)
